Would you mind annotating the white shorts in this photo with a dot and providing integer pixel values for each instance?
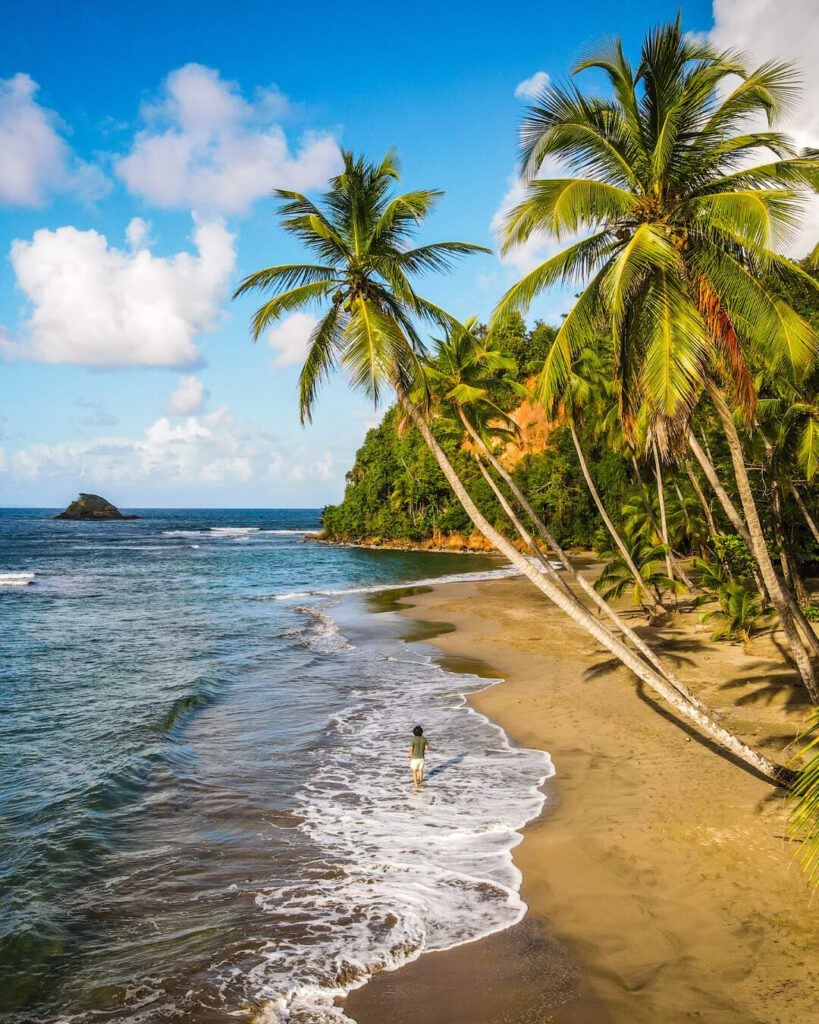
(417, 764)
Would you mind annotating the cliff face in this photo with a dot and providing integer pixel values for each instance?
(92, 507)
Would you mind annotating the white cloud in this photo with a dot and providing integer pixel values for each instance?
(95, 305)
(205, 147)
(531, 87)
(777, 30)
(289, 338)
(136, 234)
(35, 160)
(211, 450)
(188, 397)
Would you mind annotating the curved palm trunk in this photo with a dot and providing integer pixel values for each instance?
(678, 569)
(663, 521)
(709, 515)
(521, 530)
(728, 506)
(787, 558)
(759, 547)
(814, 529)
(683, 575)
(615, 536)
(563, 558)
(583, 617)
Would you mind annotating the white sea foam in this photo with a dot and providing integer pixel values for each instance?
(324, 636)
(397, 872)
(462, 577)
(233, 532)
(16, 579)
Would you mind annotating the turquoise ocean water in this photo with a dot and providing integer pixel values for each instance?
(204, 805)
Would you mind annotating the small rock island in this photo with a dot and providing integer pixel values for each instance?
(92, 507)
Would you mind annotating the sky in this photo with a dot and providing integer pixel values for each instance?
(139, 145)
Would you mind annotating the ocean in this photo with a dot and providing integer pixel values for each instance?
(205, 808)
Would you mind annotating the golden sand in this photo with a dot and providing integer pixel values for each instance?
(661, 885)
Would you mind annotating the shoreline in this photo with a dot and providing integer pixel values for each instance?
(659, 883)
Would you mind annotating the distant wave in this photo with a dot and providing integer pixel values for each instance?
(233, 532)
(16, 579)
(462, 577)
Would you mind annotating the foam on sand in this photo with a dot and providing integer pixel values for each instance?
(462, 577)
(396, 872)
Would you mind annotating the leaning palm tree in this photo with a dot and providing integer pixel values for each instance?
(464, 375)
(678, 232)
(360, 231)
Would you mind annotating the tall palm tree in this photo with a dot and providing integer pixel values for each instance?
(678, 232)
(361, 232)
(360, 237)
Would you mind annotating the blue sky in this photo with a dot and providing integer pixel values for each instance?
(138, 144)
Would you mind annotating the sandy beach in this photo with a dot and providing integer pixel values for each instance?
(660, 883)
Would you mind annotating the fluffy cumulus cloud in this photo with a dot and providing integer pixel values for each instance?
(35, 159)
(93, 304)
(531, 87)
(209, 450)
(205, 147)
(776, 30)
(289, 338)
(188, 397)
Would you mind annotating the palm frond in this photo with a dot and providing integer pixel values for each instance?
(302, 297)
(803, 823)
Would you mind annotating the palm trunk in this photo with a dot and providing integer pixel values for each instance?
(711, 476)
(709, 515)
(583, 617)
(562, 557)
(615, 536)
(759, 547)
(677, 566)
(521, 530)
(779, 533)
(814, 529)
(729, 509)
(787, 559)
(663, 521)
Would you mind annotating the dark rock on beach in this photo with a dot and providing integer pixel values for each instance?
(92, 507)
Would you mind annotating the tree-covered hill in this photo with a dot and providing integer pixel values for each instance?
(396, 492)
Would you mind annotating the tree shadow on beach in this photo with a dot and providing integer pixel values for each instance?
(670, 649)
(694, 734)
(779, 688)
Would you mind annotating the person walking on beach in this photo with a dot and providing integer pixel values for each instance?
(417, 749)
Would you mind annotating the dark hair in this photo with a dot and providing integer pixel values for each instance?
(417, 731)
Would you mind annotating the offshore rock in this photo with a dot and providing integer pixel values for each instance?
(92, 507)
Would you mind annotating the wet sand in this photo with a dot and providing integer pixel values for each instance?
(660, 883)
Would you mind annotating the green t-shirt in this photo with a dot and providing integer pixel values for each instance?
(418, 744)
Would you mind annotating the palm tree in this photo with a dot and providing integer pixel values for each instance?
(360, 238)
(360, 232)
(582, 391)
(679, 230)
(463, 374)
